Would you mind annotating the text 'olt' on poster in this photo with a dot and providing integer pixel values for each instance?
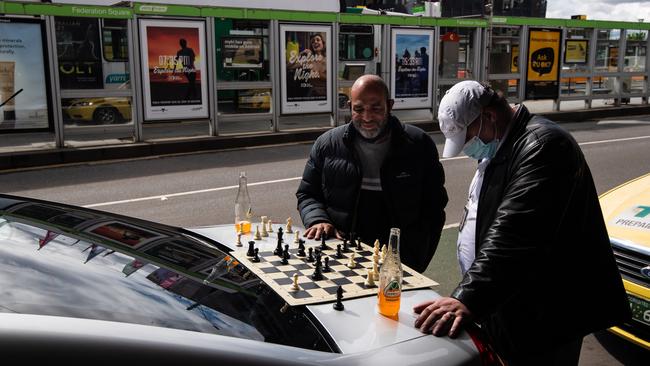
(411, 68)
(543, 72)
(306, 70)
(173, 69)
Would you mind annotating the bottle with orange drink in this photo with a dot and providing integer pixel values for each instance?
(243, 208)
(390, 278)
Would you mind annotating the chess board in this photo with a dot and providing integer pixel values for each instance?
(280, 276)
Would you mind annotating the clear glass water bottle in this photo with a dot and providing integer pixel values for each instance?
(243, 209)
(390, 278)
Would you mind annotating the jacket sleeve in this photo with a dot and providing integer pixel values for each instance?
(541, 180)
(435, 199)
(311, 202)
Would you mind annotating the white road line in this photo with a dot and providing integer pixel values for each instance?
(163, 197)
(449, 226)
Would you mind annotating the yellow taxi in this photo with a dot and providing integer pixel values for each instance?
(106, 110)
(626, 210)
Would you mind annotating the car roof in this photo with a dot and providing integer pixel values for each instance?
(626, 210)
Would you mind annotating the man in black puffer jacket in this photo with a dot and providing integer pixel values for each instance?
(372, 174)
(539, 272)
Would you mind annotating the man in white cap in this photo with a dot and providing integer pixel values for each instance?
(532, 244)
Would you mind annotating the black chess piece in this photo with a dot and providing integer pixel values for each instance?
(318, 272)
(327, 268)
(280, 233)
(323, 238)
(256, 258)
(278, 248)
(359, 244)
(251, 250)
(338, 305)
(311, 255)
(345, 246)
(301, 251)
(285, 255)
(339, 255)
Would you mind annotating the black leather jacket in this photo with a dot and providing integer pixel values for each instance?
(412, 181)
(544, 271)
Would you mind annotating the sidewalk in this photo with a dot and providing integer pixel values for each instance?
(20, 151)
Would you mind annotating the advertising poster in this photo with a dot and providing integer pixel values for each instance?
(543, 71)
(79, 53)
(174, 69)
(23, 87)
(514, 59)
(305, 67)
(242, 52)
(576, 51)
(411, 68)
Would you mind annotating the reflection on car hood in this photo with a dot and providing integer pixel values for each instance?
(626, 210)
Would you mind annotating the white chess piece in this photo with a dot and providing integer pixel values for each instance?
(295, 286)
(258, 236)
(239, 244)
(370, 279)
(289, 226)
(270, 226)
(297, 239)
(375, 272)
(376, 248)
(264, 232)
(352, 263)
(384, 251)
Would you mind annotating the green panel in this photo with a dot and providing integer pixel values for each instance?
(69, 10)
(548, 22)
(449, 22)
(164, 9)
(605, 24)
(232, 13)
(2, 7)
(363, 19)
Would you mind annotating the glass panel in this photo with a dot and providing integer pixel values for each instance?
(457, 53)
(242, 50)
(607, 50)
(504, 54)
(602, 85)
(576, 51)
(635, 50)
(356, 42)
(510, 88)
(96, 111)
(83, 63)
(573, 86)
(244, 101)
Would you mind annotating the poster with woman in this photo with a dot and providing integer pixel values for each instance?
(173, 69)
(411, 78)
(305, 67)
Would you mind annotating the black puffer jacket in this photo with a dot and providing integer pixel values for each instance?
(412, 180)
(544, 271)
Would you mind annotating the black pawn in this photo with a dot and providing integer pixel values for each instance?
(251, 250)
(327, 265)
(323, 246)
(345, 246)
(301, 251)
(339, 255)
(311, 255)
(285, 255)
(338, 305)
(318, 273)
(256, 258)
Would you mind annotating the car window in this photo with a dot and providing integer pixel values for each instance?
(79, 263)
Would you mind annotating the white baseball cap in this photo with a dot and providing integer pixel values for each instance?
(459, 107)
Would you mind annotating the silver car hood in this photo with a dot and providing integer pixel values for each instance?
(359, 327)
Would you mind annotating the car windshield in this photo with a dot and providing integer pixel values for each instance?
(64, 261)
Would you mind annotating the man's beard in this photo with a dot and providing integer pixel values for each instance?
(370, 135)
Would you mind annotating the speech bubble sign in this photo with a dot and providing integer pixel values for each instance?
(541, 61)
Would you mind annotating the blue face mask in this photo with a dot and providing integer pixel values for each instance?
(479, 150)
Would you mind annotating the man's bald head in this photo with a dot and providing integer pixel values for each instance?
(369, 83)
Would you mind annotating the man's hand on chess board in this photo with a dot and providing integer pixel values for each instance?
(317, 231)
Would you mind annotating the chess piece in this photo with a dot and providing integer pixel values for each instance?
(376, 247)
(270, 226)
(264, 232)
(278, 249)
(327, 265)
(352, 263)
(345, 246)
(339, 255)
(280, 234)
(295, 286)
(239, 244)
(251, 250)
(289, 226)
(257, 236)
(301, 248)
(318, 273)
(370, 279)
(323, 238)
(256, 258)
(297, 238)
(285, 255)
(375, 271)
(311, 255)
(359, 247)
(338, 305)
(384, 251)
